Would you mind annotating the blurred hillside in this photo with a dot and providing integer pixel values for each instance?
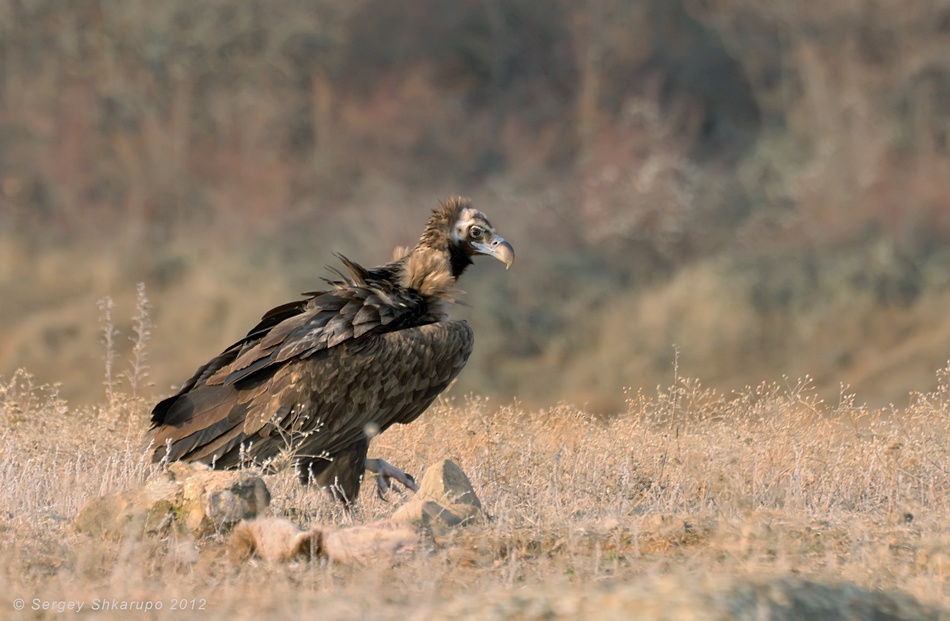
(765, 186)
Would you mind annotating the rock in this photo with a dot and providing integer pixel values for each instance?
(214, 499)
(189, 498)
(445, 500)
(277, 540)
(686, 596)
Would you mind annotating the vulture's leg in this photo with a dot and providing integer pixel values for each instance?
(385, 471)
(340, 474)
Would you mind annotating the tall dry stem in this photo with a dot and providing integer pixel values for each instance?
(141, 327)
(106, 306)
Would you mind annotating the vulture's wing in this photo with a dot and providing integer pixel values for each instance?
(315, 377)
(326, 403)
(272, 318)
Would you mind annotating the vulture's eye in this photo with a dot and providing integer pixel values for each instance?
(476, 232)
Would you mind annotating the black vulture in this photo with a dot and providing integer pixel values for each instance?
(316, 378)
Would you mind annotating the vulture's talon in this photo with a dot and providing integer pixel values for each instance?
(382, 487)
(386, 473)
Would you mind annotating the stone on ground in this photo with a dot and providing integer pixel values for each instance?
(445, 500)
(189, 498)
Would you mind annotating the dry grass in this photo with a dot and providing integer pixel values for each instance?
(688, 483)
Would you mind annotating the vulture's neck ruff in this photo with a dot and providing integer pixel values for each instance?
(428, 272)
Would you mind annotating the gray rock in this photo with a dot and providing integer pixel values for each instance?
(190, 498)
(445, 500)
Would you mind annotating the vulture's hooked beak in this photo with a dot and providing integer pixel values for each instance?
(498, 248)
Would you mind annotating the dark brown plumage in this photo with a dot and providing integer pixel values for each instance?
(314, 376)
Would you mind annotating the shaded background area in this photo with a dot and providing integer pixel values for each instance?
(764, 186)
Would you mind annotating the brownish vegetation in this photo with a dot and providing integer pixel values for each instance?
(768, 484)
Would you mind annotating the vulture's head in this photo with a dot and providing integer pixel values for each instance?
(457, 227)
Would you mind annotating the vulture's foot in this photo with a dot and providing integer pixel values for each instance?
(385, 473)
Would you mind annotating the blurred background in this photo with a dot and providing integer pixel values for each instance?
(763, 187)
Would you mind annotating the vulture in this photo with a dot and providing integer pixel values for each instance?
(315, 379)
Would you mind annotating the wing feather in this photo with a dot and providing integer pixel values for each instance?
(325, 353)
(323, 404)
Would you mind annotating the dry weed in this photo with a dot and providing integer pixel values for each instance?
(767, 482)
